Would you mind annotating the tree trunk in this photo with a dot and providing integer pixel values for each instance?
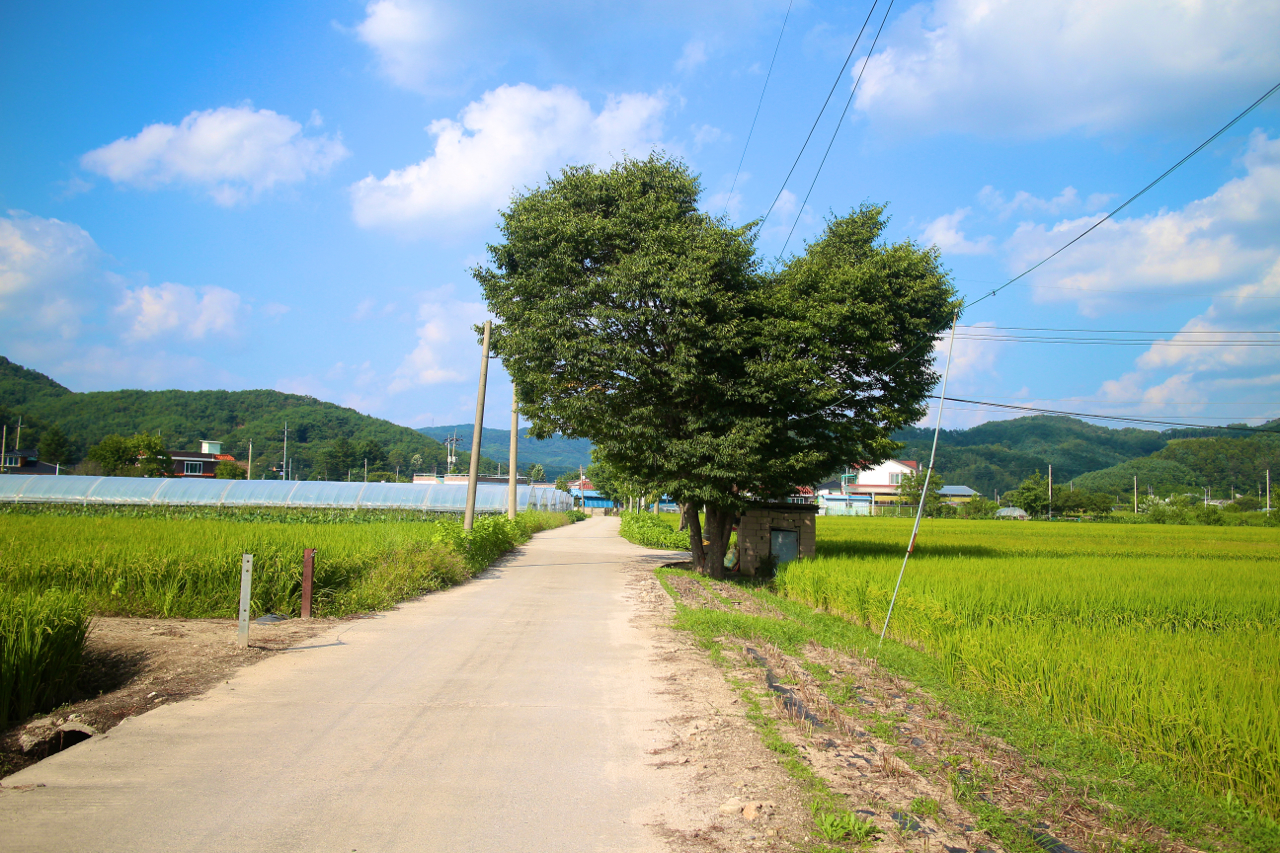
(695, 536)
(684, 518)
(708, 558)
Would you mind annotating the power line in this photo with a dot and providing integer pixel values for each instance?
(1103, 417)
(1147, 292)
(1072, 242)
(839, 76)
(839, 123)
(754, 118)
(1124, 331)
(1133, 197)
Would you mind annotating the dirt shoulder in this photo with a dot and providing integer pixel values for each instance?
(848, 743)
(134, 665)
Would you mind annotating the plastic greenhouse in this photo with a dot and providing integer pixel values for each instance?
(176, 491)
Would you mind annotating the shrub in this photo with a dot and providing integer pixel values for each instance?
(651, 531)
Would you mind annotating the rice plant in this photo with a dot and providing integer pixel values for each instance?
(189, 566)
(41, 640)
(1164, 640)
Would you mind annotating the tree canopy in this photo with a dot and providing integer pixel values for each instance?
(629, 317)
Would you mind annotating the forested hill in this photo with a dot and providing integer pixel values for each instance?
(1000, 454)
(319, 432)
(557, 455)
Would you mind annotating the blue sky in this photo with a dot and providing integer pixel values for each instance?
(289, 195)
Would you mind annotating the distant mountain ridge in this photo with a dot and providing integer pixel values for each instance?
(184, 418)
(1000, 454)
(557, 455)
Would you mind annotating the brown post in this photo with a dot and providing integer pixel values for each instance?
(308, 571)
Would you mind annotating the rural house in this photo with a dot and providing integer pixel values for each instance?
(188, 463)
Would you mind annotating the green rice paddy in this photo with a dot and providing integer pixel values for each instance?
(1163, 640)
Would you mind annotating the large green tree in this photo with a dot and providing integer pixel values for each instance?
(628, 316)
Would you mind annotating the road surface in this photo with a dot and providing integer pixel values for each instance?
(510, 714)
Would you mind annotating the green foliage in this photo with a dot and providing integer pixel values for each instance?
(576, 515)
(152, 459)
(42, 637)
(537, 474)
(978, 507)
(652, 531)
(1000, 454)
(1032, 495)
(1162, 476)
(629, 317)
(562, 482)
(1162, 641)
(141, 455)
(842, 826)
(913, 484)
(1224, 464)
(184, 418)
(55, 447)
(228, 470)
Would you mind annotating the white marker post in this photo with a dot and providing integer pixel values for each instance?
(246, 582)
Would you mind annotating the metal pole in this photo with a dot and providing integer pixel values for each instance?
(924, 493)
(249, 476)
(284, 461)
(246, 582)
(511, 475)
(1135, 493)
(1051, 493)
(468, 519)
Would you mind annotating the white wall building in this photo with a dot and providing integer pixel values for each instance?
(879, 481)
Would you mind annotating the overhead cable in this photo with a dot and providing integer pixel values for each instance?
(759, 104)
(1071, 242)
(1104, 417)
(1133, 197)
(839, 76)
(836, 130)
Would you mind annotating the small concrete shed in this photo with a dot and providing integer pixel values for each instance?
(781, 531)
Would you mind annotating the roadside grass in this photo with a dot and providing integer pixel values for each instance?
(1090, 766)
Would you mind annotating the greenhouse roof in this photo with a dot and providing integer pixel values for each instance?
(181, 491)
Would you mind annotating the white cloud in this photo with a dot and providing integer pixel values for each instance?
(970, 359)
(176, 308)
(944, 232)
(509, 138)
(1068, 199)
(408, 37)
(998, 67)
(49, 270)
(446, 346)
(233, 152)
(695, 54)
(1219, 242)
(704, 135)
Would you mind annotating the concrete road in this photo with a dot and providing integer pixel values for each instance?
(510, 714)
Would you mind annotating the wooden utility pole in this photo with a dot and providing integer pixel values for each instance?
(469, 518)
(511, 477)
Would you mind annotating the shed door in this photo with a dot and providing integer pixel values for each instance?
(784, 545)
